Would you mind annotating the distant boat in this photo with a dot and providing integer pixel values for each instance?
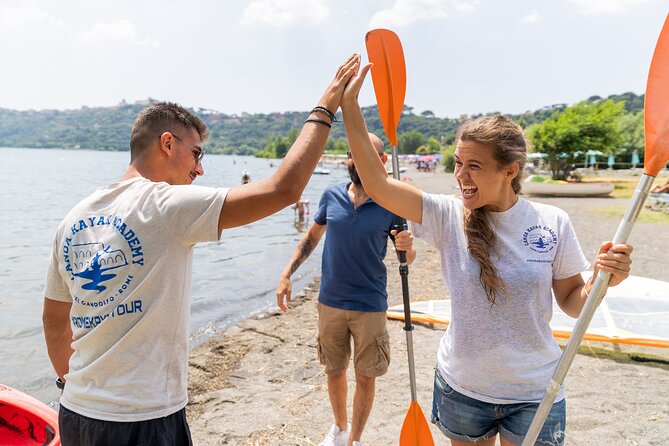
(402, 170)
(321, 171)
(565, 189)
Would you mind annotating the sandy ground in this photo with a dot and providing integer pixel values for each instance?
(260, 383)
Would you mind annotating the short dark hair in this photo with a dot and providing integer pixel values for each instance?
(162, 117)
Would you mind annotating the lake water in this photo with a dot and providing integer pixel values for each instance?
(232, 279)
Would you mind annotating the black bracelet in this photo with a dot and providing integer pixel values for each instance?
(331, 115)
(320, 121)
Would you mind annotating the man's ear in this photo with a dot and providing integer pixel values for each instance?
(166, 141)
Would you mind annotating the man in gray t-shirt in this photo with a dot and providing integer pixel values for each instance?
(117, 292)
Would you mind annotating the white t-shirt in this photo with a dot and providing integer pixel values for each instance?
(122, 256)
(502, 353)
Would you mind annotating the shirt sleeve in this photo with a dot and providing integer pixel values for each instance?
(55, 287)
(191, 213)
(435, 212)
(321, 215)
(569, 258)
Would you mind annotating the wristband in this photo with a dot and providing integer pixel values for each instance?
(319, 121)
(320, 108)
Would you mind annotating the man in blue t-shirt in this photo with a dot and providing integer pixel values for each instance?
(353, 298)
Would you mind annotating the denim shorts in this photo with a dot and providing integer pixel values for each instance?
(469, 420)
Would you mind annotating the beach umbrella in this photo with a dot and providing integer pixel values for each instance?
(384, 50)
(635, 159)
(656, 126)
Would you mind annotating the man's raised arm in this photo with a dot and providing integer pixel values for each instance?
(253, 201)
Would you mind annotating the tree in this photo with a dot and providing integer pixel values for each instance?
(410, 141)
(575, 130)
(427, 114)
(292, 136)
(433, 145)
(631, 126)
(281, 147)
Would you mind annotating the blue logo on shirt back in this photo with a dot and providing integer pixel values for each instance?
(92, 260)
(540, 238)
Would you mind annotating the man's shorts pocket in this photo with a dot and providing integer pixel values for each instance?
(383, 353)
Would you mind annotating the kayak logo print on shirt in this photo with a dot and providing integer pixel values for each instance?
(92, 260)
(92, 263)
(540, 238)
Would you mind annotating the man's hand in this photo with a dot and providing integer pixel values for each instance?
(283, 291)
(403, 240)
(331, 99)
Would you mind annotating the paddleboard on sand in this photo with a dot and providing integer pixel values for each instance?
(634, 312)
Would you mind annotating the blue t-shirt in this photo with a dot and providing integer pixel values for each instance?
(353, 272)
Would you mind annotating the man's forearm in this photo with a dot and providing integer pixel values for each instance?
(58, 345)
(304, 249)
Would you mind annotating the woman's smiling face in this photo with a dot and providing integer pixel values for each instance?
(483, 183)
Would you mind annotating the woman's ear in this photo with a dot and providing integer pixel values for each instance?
(512, 171)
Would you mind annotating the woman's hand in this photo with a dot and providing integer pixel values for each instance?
(614, 259)
(353, 87)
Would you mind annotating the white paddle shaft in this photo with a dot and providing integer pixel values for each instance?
(595, 296)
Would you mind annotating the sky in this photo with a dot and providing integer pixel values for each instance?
(263, 56)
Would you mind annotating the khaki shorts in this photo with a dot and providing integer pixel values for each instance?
(371, 342)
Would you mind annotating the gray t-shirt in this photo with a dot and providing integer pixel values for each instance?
(502, 353)
(122, 256)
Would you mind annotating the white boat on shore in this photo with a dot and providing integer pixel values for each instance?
(321, 171)
(565, 189)
(402, 170)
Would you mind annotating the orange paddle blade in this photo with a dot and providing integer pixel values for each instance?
(415, 431)
(656, 117)
(388, 76)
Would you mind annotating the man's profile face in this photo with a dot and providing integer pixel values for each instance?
(186, 157)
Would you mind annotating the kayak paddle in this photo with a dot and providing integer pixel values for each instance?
(389, 78)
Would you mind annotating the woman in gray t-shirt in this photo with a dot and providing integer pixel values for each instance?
(502, 259)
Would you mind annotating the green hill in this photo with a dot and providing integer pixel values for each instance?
(108, 128)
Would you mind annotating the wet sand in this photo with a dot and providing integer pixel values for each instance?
(260, 383)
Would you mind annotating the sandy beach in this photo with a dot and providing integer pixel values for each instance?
(260, 382)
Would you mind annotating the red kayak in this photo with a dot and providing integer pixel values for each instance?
(26, 421)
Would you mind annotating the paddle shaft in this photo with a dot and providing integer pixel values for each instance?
(401, 225)
(595, 296)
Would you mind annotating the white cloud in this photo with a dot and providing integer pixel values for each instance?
(405, 12)
(13, 19)
(605, 6)
(532, 17)
(121, 31)
(282, 13)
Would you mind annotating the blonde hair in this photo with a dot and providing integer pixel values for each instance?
(508, 144)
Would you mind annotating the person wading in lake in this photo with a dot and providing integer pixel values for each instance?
(117, 292)
(352, 302)
(502, 258)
